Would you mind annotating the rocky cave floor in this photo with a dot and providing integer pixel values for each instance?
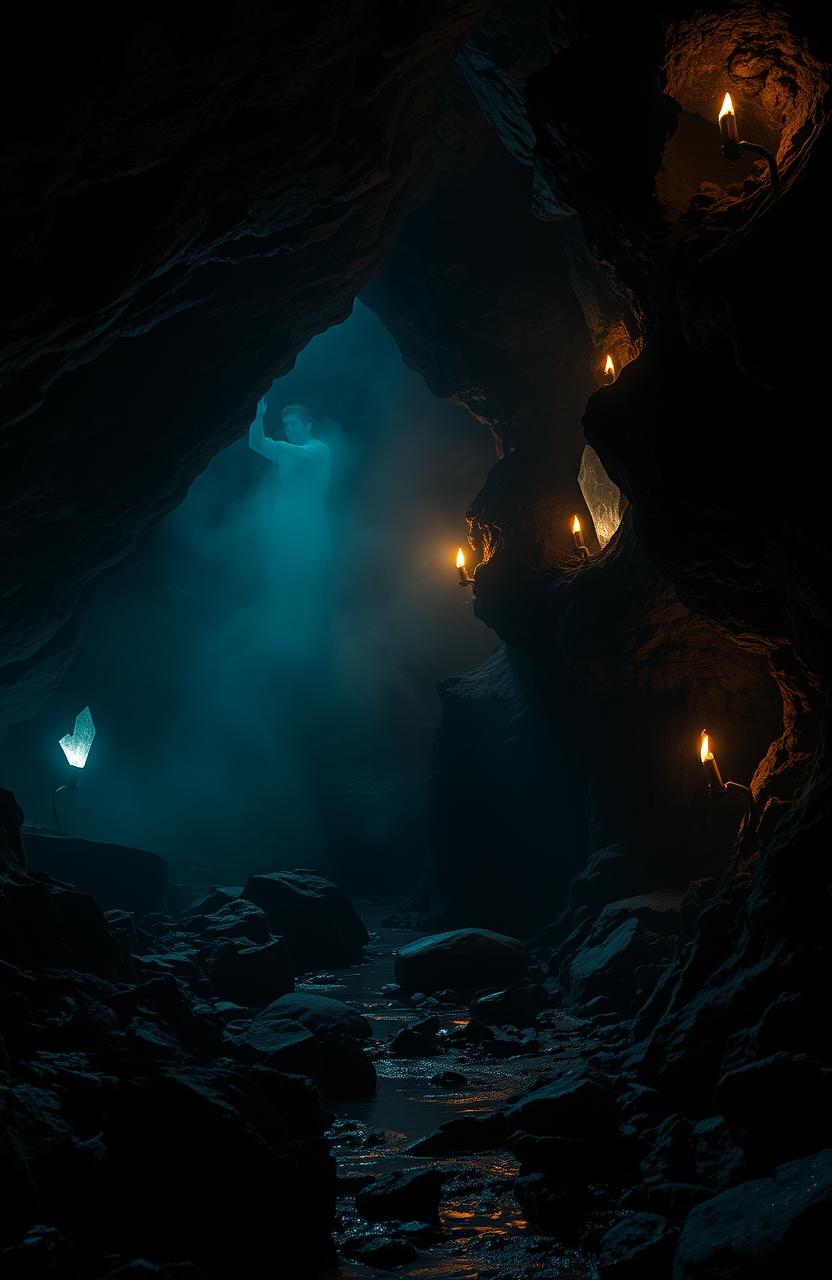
(459, 1074)
(247, 1081)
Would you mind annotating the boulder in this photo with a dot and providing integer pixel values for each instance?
(115, 875)
(322, 1015)
(778, 1108)
(464, 959)
(465, 1133)
(571, 1106)
(409, 1193)
(333, 1059)
(762, 1229)
(408, 1043)
(317, 920)
(237, 919)
(638, 1248)
(250, 975)
(606, 965)
(246, 1145)
(384, 1252)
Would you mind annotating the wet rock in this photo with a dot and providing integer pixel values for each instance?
(606, 964)
(348, 1184)
(508, 1047)
(403, 1195)
(335, 1061)
(323, 1015)
(280, 1041)
(464, 959)
(250, 975)
(639, 1248)
(384, 1252)
(317, 920)
(763, 1229)
(467, 1133)
(247, 1145)
(115, 875)
(449, 1080)
(669, 1199)
(669, 1156)
(556, 1206)
(236, 919)
(718, 1161)
(570, 1106)
(395, 992)
(426, 1026)
(779, 1107)
(515, 1007)
(408, 1043)
(473, 1032)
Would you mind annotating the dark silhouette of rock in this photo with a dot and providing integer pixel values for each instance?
(403, 1195)
(232, 1139)
(323, 1015)
(568, 1107)
(115, 875)
(761, 1229)
(250, 975)
(317, 920)
(319, 1047)
(639, 1248)
(467, 959)
(408, 1043)
(467, 1133)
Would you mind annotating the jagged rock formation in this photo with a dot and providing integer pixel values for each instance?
(188, 210)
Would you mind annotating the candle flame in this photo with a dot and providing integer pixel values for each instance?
(460, 559)
(576, 525)
(727, 106)
(609, 367)
(704, 747)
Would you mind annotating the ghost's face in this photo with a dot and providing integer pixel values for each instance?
(297, 429)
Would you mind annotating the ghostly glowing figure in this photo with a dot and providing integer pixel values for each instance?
(600, 495)
(76, 745)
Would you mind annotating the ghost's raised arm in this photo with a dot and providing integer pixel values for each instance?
(257, 438)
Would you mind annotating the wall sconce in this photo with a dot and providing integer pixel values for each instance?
(76, 748)
(465, 579)
(609, 369)
(578, 538)
(733, 147)
(716, 786)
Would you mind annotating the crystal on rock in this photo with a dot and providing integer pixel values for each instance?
(76, 745)
(600, 495)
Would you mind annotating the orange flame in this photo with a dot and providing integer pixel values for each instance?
(727, 107)
(704, 747)
(460, 559)
(609, 367)
(576, 525)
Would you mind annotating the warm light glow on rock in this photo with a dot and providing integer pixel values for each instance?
(609, 366)
(576, 525)
(460, 559)
(727, 106)
(704, 748)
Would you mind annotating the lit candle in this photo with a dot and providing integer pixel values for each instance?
(709, 764)
(728, 130)
(580, 545)
(609, 369)
(464, 579)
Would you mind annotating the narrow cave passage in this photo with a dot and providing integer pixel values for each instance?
(261, 675)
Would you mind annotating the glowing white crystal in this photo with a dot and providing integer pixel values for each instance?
(600, 495)
(76, 745)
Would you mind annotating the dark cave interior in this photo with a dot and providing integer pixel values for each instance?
(398, 922)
